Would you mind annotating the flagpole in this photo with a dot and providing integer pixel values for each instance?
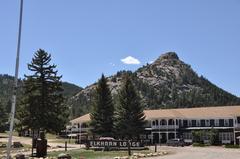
(12, 114)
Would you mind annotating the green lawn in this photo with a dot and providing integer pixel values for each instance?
(6, 134)
(25, 147)
(90, 154)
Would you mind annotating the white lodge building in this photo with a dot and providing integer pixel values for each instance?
(165, 124)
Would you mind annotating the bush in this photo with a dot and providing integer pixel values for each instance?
(232, 146)
(198, 145)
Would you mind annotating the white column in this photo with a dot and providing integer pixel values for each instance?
(159, 138)
(167, 130)
(234, 135)
(175, 122)
(80, 129)
(167, 135)
(152, 137)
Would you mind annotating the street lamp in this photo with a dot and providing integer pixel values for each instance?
(12, 114)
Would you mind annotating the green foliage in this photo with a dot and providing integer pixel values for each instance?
(6, 90)
(42, 104)
(3, 118)
(198, 145)
(103, 110)
(198, 136)
(232, 146)
(213, 136)
(129, 123)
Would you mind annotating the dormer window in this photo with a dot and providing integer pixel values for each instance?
(238, 119)
(216, 122)
(198, 123)
(207, 122)
(153, 123)
(190, 123)
(226, 122)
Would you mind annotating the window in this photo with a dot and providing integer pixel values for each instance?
(212, 122)
(226, 136)
(194, 123)
(187, 135)
(163, 122)
(153, 123)
(221, 122)
(198, 123)
(202, 122)
(216, 122)
(170, 122)
(238, 120)
(190, 123)
(150, 136)
(226, 122)
(180, 122)
(185, 123)
(207, 122)
(157, 122)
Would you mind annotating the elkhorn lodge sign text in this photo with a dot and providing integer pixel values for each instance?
(114, 143)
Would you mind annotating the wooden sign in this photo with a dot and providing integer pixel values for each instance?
(114, 143)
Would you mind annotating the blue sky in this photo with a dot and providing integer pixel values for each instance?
(90, 37)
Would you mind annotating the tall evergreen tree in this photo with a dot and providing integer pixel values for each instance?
(130, 118)
(103, 110)
(3, 118)
(42, 105)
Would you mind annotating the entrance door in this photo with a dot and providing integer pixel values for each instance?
(164, 138)
(171, 136)
(156, 138)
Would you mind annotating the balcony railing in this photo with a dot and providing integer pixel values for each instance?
(78, 129)
(165, 127)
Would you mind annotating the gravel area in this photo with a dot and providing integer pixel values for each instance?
(189, 152)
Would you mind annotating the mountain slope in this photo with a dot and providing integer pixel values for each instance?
(166, 83)
(6, 89)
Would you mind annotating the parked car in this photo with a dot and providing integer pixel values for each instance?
(175, 142)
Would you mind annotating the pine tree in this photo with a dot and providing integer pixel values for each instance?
(42, 106)
(103, 110)
(3, 118)
(130, 118)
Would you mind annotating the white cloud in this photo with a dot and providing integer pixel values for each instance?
(130, 61)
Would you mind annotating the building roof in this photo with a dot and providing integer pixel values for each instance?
(198, 113)
(187, 113)
(82, 119)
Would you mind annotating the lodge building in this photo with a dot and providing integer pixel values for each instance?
(165, 124)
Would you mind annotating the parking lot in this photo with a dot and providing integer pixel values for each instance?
(189, 152)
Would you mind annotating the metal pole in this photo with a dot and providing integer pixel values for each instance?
(15, 83)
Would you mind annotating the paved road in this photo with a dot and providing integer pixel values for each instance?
(189, 152)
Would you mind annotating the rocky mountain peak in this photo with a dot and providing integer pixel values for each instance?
(166, 83)
(168, 56)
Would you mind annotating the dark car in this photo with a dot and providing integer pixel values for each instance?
(175, 142)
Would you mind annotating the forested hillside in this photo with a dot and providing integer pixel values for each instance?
(6, 89)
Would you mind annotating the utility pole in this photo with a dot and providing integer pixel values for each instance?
(12, 114)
